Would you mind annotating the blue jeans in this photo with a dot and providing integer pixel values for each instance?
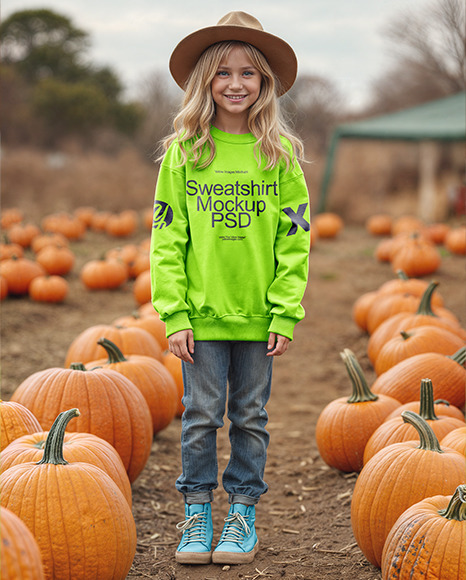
(247, 370)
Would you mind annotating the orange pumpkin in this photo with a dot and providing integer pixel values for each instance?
(76, 447)
(21, 559)
(99, 221)
(78, 501)
(19, 273)
(113, 408)
(56, 260)
(3, 287)
(397, 477)
(455, 240)
(396, 430)
(130, 340)
(151, 323)
(122, 224)
(383, 250)
(48, 239)
(16, 420)
(417, 257)
(327, 224)
(447, 374)
(48, 289)
(142, 288)
(10, 250)
(428, 538)
(85, 214)
(103, 274)
(436, 232)
(441, 407)
(456, 440)
(23, 234)
(64, 223)
(361, 307)
(150, 376)
(10, 216)
(407, 224)
(379, 224)
(345, 425)
(406, 285)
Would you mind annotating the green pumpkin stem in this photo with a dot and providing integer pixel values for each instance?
(459, 356)
(361, 391)
(456, 509)
(428, 439)
(114, 353)
(427, 409)
(53, 450)
(77, 366)
(405, 335)
(402, 275)
(425, 305)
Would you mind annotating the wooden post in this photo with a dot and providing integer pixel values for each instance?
(429, 155)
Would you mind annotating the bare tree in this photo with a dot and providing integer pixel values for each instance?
(429, 50)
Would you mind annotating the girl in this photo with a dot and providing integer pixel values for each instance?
(229, 262)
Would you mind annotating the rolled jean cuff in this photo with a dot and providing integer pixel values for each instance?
(200, 497)
(244, 499)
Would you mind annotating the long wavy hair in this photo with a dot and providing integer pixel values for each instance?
(197, 113)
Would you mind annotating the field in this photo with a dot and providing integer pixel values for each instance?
(304, 520)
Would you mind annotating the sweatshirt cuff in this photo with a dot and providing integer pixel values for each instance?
(176, 322)
(283, 326)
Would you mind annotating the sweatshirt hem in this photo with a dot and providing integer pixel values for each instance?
(231, 328)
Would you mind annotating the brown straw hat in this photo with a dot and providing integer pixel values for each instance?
(235, 26)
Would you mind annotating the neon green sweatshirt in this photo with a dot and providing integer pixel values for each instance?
(230, 244)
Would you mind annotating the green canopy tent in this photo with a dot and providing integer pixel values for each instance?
(429, 123)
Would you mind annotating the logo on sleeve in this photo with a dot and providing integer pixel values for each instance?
(297, 219)
(163, 215)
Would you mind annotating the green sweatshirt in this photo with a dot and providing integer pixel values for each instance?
(230, 244)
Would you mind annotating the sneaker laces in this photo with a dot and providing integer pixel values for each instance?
(236, 529)
(194, 527)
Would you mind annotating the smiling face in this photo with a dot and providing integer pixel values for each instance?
(235, 88)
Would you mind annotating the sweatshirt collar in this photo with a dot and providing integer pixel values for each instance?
(230, 137)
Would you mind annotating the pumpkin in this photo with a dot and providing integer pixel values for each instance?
(361, 307)
(417, 257)
(85, 213)
(428, 538)
(142, 288)
(386, 305)
(76, 447)
(126, 253)
(327, 224)
(10, 250)
(122, 224)
(396, 430)
(23, 234)
(415, 341)
(99, 221)
(10, 216)
(150, 376)
(383, 250)
(48, 289)
(397, 477)
(441, 407)
(151, 323)
(21, 559)
(455, 240)
(60, 501)
(3, 288)
(16, 420)
(379, 224)
(406, 285)
(19, 273)
(103, 274)
(456, 440)
(446, 372)
(407, 224)
(408, 320)
(57, 260)
(173, 364)
(436, 232)
(48, 239)
(113, 408)
(345, 425)
(130, 340)
(64, 223)
(140, 264)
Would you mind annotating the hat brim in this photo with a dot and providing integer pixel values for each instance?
(279, 54)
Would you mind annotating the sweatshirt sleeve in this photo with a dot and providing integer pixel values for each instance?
(169, 240)
(292, 255)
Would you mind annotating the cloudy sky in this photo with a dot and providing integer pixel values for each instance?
(339, 39)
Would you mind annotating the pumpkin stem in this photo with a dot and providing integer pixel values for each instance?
(425, 305)
(77, 366)
(405, 335)
(53, 450)
(402, 275)
(427, 409)
(428, 439)
(114, 353)
(361, 391)
(456, 509)
(442, 401)
(459, 356)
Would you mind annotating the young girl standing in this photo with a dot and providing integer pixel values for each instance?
(229, 263)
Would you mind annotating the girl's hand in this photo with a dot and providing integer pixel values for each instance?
(277, 344)
(181, 344)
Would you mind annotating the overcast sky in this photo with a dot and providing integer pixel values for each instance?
(339, 39)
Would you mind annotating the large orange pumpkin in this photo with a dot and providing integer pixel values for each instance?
(150, 376)
(397, 477)
(130, 340)
(16, 420)
(428, 540)
(345, 425)
(19, 273)
(21, 558)
(76, 447)
(57, 260)
(456, 439)
(81, 520)
(417, 257)
(104, 274)
(48, 289)
(112, 408)
(149, 322)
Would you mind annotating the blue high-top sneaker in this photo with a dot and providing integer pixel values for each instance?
(238, 543)
(196, 542)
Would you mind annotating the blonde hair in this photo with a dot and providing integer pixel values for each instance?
(197, 113)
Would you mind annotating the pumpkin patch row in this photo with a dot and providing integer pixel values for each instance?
(405, 434)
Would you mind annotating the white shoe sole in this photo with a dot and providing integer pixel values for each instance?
(193, 557)
(235, 557)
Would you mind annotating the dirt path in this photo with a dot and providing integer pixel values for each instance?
(304, 520)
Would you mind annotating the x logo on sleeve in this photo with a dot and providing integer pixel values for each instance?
(297, 219)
